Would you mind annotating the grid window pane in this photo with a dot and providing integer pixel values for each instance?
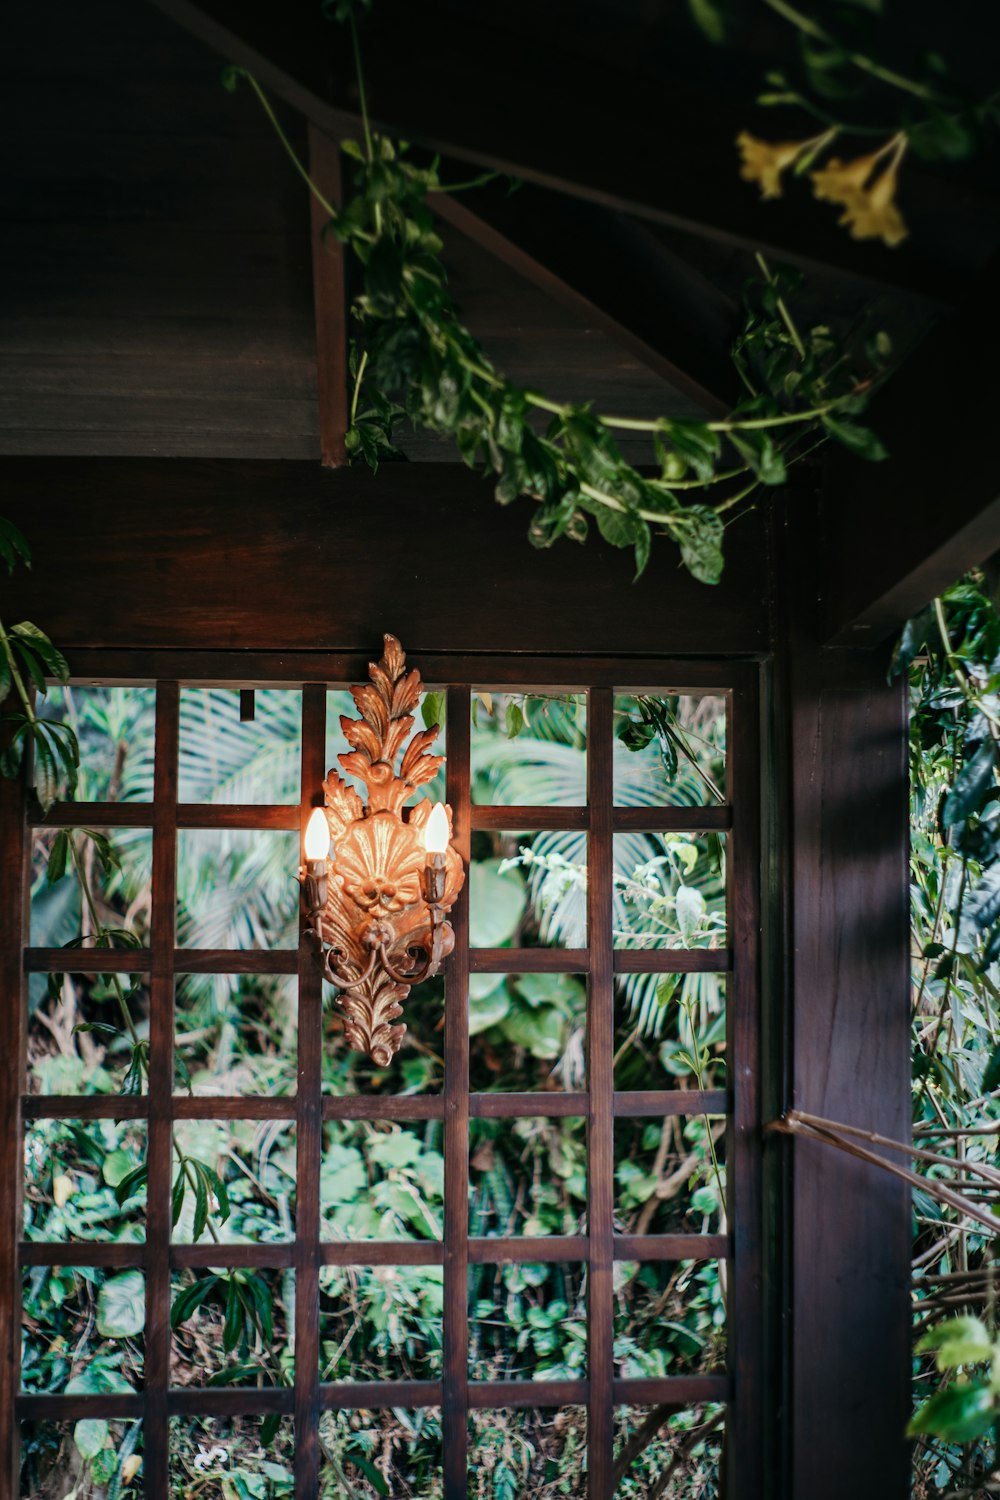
(528, 1453)
(527, 1177)
(670, 1318)
(94, 1457)
(235, 1034)
(381, 1322)
(233, 1182)
(212, 1458)
(223, 759)
(382, 1182)
(529, 749)
(369, 1454)
(528, 890)
(669, 890)
(684, 1446)
(670, 1031)
(528, 1321)
(670, 1174)
(85, 1180)
(527, 1032)
(669, 748)
(232, 1326)
(236, 888)
(83, 1330)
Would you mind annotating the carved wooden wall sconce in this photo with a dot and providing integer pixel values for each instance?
(377, 887)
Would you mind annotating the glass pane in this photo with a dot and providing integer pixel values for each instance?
(670, 1031)
(236, 1034)
(669, 890)
(527, 1032)
(218, 1458)
(225, 760)
(382, 1181)
(254, 1160)
(116, 869)
(528, 1322)
(686, 1446)
(370, 1454)
(115, 729)
(669, 749)
(530, 1455)
(527, 1177)
(236, 888)
(431, 710)
(670, 1175)
(380, 1322)
(528, 890)
(670, 1318)
(79, 1039)
(418, 1066)
(82, 1330)
(94, 1459)
(74, 1172)
(529, 749)
(232, 1327)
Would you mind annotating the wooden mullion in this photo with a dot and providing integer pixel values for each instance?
(715, 819)
(528, 961)
(600, 1072)
(84, 1107)
(385, 1107)
(156, 1430)
(371, 1395)
(382, 1253)
(516, 819)
(502, 1250)
(250, 815)
(258, 1256)
(309, 1125)
(236, 961)
(455, 1388)
(638, 1105)
(15, 849)
(118, 1254)
(747, 1421)
(544, 1105)
(643, 1247)
(491, 1395)
(678, 1390)
(88, 960)
(673, 960)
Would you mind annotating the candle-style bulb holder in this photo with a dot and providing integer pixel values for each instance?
(380, 913)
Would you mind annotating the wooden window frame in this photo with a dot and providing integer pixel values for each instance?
(601, 1391)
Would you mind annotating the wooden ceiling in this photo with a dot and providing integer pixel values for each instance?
(157, 256)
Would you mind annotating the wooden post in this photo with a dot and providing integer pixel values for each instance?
(842, 756)
(330, 300)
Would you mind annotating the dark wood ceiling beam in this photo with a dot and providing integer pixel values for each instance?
(330, 303)
(613, 272)
(659, 150)
(899, 532)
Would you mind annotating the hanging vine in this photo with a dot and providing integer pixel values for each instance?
(415, 358)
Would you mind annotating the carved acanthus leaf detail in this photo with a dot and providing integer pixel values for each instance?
(376, 919)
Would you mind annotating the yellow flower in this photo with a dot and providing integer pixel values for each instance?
(869, 206)
(764, 161)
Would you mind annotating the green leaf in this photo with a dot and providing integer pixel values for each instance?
(121, 1306)
(13, 545)
(701, 543)
(975, 780)
(958, 1414)
(55, 867)
(959, 1341)
(690, 910)
(991, 1074)
(496, 904)
(39, 642)
(118, 1165)
(709, 16)
(860, 440)
(432, 710)
(513, 719)
(90, 1435)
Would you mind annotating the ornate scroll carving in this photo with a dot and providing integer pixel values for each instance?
(383, 923)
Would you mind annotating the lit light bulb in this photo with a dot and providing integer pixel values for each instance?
(436, 831)
(317, 835)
